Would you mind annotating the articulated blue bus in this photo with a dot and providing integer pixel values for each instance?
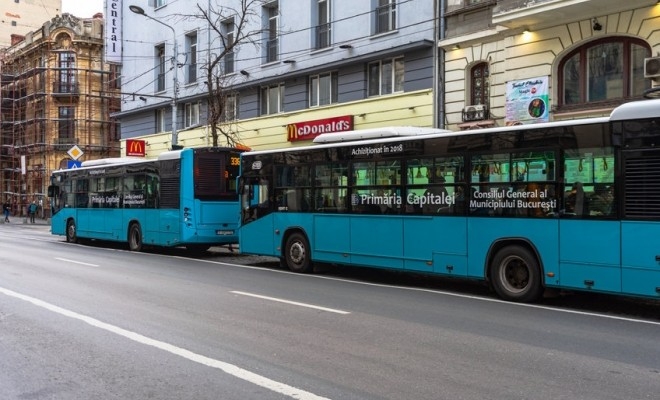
(184, 198)
(566, 205)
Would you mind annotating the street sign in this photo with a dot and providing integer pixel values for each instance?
(73, 164)
(75, 152)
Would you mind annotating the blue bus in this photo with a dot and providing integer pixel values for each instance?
(184, 198)
(561, 205)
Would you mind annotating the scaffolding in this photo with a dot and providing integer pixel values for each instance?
(56, 93)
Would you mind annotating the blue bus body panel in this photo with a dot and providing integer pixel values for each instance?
(436, 245)
(332, 238)
(262, 239)
(589, 255)
(640, 242)
(542, 234)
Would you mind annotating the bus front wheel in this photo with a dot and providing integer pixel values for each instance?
(71, 235)
(515, 274)
(135, 237)
(297, 254)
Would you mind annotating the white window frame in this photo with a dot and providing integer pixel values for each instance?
(390, 76)
(230, 108)
(160, 120)
(192, 114)
(316, 83)
(191, 44)
(229, 29)
(390, 6)
(272, 99)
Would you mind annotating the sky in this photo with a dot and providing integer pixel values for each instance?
(82, 8)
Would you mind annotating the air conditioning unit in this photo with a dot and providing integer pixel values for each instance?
(652, 67)
(477, 112)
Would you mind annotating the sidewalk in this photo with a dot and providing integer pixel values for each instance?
(26, 221)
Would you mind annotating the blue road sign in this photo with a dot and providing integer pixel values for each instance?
(73, 164)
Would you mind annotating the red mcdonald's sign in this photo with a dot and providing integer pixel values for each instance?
(308, 130)
(135, 148)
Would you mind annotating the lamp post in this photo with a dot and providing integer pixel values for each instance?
(139, 10)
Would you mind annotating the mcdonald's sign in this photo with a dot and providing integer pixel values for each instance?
(135, 148)
(308, 130)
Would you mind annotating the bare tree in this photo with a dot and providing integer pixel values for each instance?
(230, 28)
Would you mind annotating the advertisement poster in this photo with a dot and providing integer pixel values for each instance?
(527, 101)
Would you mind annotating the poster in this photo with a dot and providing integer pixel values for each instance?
(527, 101)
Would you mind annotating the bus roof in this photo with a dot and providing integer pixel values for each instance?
(375, 133)
(644, 109)
(424, 133)
(112, 161)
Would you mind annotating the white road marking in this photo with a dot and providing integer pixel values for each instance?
(228, 368)
(295, 303)
(76, 262)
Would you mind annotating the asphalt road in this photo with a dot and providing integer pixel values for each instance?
(99, 322)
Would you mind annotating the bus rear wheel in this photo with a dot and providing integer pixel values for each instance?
(297, 254)
(135, 237)
(71, 235)
(515, 274)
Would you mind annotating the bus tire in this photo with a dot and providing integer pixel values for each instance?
(297, 253)
(71, 235)
(515, 275)
(135, 237)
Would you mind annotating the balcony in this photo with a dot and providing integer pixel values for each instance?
(542, 13)
(63, 88)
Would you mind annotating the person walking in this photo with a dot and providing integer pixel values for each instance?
(32, 211)
(5, 210)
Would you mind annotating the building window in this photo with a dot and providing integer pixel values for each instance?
(114, 81)
(604, 70)
(385, 16)
(160, 120)
(192, 114)
(66, 125)
(191, 49)
(323, 28)
(385, 77)
(159, 3)
(229, 30)
(272, 99)
(230, 110)
(272, 31)
(160, 68)
(67, 73)
(479, 84)
(323, 89)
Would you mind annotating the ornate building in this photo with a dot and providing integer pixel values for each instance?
(57, 96)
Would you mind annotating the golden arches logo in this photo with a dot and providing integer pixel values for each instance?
(135, 148)
(292, 132)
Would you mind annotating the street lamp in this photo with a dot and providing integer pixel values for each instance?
(139, 10)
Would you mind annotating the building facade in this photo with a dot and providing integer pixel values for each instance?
(57, 96)
(310, 66)
(521, 62)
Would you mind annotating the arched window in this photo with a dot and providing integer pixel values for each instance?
(603, 70)
(479, 84)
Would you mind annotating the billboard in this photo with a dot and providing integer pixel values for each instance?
(112, 34)
(527, 101)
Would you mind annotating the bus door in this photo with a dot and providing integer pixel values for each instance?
(256, 217)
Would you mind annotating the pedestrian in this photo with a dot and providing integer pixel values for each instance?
(32, 211)
(5, 210)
